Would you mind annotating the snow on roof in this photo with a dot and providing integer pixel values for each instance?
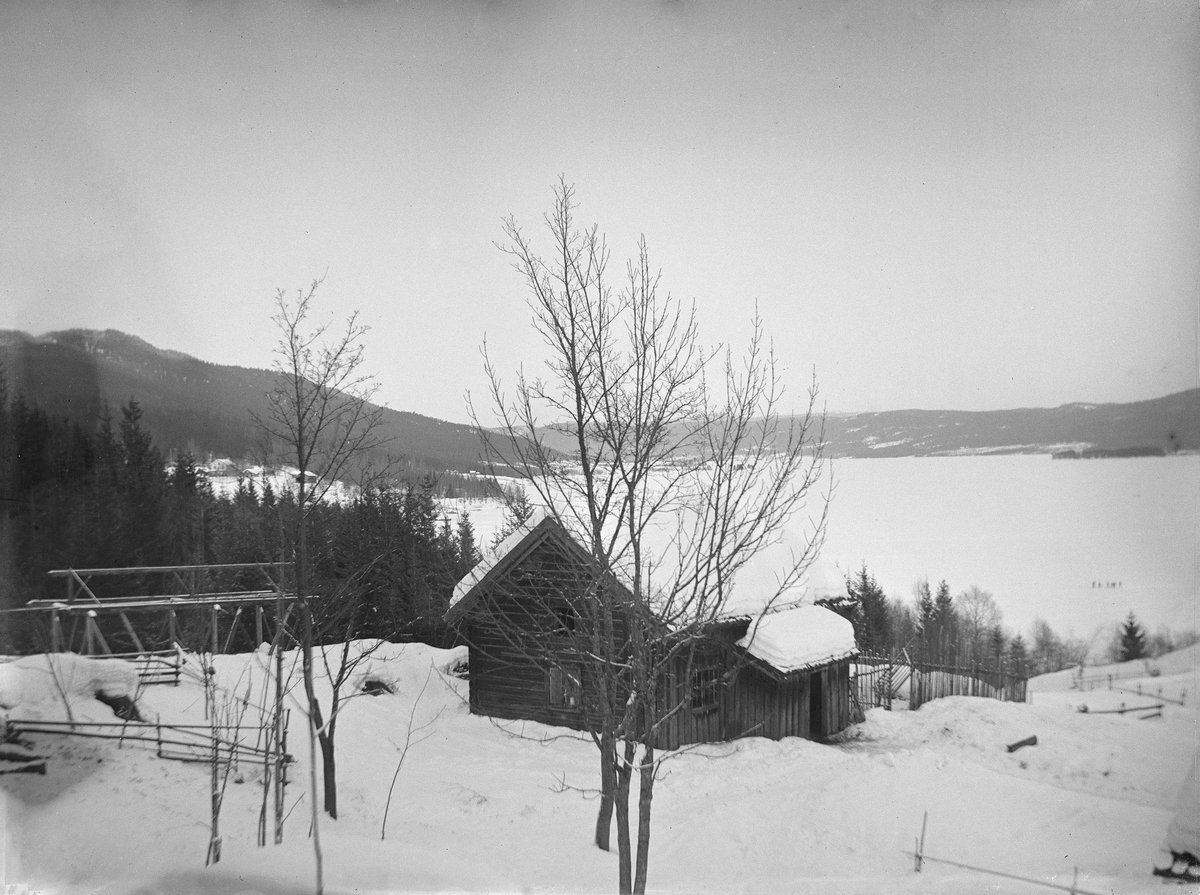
(493, 555)
(802, 637)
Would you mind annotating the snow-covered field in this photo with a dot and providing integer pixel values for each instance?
(480, 807)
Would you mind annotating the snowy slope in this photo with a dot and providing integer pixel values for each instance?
(478, 806)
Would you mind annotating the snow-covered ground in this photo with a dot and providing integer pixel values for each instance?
(481, 807)
(224, 477)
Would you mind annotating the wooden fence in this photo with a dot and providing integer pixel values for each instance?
(931, 681)
(879, 680)
(182, 742)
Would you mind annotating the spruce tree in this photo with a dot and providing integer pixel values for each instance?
(1133, 639)
(1018, 656)
(873, 629)
(946, 620)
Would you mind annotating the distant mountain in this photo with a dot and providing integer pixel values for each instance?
(1169, 424)
(189, 404)
(205, 408)
(1165, 425)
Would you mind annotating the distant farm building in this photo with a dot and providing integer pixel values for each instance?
(785, 673)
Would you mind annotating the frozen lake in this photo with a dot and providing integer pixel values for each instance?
(1079, 543)
(1046, 537)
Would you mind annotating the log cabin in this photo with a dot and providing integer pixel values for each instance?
(779, 674)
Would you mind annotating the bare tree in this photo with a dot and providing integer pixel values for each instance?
(320, 413)
(683, 468)
(977, 615)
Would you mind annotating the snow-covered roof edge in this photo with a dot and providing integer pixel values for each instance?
(799, 638)
(493, 555)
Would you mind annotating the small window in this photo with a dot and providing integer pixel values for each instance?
(565, 616)
(706, 688)
(565, 687)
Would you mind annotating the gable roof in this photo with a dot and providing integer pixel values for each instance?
(509, 553)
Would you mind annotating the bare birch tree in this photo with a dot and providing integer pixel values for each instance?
(664, 433)
(321, 414)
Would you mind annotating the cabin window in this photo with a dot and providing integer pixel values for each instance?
(565, 686)
(706, 688)
(565, 616)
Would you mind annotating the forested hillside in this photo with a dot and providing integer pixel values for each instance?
(188, 404)
(80, 496)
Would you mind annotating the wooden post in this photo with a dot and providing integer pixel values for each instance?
(88, 625)
(258, 626)
(132, 633)
(215, 641)
(55, 632)
(172, 627)
(232, 628)
(920, 858)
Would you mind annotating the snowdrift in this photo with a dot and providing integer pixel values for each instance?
(482, 805)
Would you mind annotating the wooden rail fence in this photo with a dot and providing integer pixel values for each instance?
(181, 742)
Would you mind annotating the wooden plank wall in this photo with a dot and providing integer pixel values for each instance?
(758, 704)
(504, 683)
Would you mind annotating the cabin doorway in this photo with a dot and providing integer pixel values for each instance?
(816, 706)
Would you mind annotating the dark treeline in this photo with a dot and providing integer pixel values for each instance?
(967, 629)
(385, 563)
(941, 628)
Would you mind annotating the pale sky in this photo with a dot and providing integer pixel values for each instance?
(967, 205)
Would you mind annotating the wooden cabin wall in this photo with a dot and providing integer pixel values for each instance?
(506, 683)
(836, 714)
(509, 679)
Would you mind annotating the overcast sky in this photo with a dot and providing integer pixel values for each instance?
(963, 205)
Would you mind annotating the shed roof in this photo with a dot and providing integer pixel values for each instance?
(800, 637)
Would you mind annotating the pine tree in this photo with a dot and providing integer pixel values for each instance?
(468, 553)
(946, 619)
(1133, 639)
(1018, 656)
(996, 642)
(873, 630)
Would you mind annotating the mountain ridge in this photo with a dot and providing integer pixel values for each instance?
(195, 405)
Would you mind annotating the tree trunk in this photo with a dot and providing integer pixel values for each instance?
(318, 856)
(623, 773)
(608, 785)
(645, 796)
(328, 767)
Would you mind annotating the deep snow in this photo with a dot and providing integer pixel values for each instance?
(483, 806)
